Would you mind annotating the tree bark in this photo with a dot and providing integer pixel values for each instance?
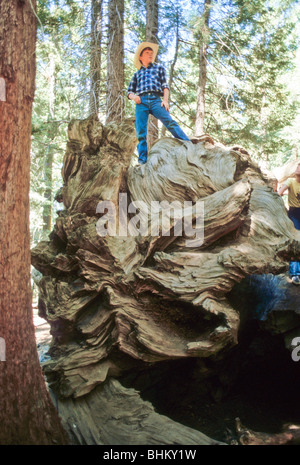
(96, 38)
(204, 31)
(27, 414)
(172, 68)
(48, 194)
(48, 163)
(151, 36)
(115, 104)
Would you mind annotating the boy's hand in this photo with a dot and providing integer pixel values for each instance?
(165, 104)
(137, 99)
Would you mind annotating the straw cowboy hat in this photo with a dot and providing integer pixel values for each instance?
(139, 50)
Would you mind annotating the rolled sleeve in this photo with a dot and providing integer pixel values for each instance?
(132, 86)
(163, 78)
(287, 182)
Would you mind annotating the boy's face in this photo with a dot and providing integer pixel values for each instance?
(146, 57)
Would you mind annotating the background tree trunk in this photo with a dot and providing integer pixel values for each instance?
(172, 68)
(48, 164)
(27, 414)
(200, 113)
(48, 194)
(151, 36)
(115, 104)
(96, 37)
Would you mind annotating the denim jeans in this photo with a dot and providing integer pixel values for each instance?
(151, 105)
(294, 215)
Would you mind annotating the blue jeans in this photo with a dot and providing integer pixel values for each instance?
(151, 105)
(294, 215)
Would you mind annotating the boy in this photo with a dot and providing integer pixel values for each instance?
(146, 88)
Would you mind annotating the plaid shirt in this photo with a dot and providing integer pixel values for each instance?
(151, 79)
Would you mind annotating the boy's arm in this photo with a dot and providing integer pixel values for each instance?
(282, 189)
(165, 87)
(131, 90)
(136, 98)
(165, 101)
(284, 186)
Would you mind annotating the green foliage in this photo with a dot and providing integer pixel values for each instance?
(251, 50)
(60, 96)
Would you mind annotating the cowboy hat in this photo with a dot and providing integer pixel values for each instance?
(139, 50)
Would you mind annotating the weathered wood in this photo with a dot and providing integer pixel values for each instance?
(96, 162)
(247, 437)
(117, 303)
(114, 415)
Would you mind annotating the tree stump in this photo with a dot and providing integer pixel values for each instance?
(120, 303)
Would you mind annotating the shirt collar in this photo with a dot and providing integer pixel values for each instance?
(149, 66)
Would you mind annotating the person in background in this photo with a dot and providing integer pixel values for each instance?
(146, 88)
(293, 187)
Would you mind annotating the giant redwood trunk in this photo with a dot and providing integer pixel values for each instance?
(27, 415)
(123, 297)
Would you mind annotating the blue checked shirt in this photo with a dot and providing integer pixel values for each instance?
(151, 79)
